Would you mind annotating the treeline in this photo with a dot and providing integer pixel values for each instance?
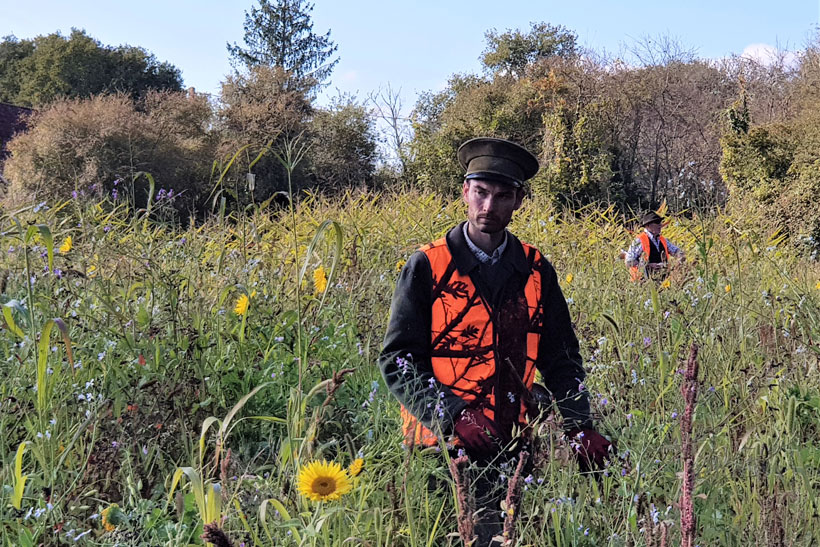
(662, 125)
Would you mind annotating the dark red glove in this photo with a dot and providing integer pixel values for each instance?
(477, 433)
(591, 448)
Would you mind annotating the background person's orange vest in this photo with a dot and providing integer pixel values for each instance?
(634, 271)
(464, 347)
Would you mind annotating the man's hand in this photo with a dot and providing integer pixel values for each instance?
(478, 434)
(591, 448)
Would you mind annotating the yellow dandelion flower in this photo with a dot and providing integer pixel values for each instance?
(323, 481)
(67, 245)
(319, 280)
(400, 264)
(728, 288)
(242, 303)
(666, 284)
(106, 517)
(817, 286)
(356, 467)
(570, 277)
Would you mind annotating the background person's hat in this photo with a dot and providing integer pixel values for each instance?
(650, 218)
(497, 160)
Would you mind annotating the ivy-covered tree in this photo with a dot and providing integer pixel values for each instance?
(279, 33)
(38, 71)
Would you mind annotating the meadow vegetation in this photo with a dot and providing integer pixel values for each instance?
(193, 298)
(159, 378)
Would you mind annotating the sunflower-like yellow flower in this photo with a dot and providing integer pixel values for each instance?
(570, 277)
(323, 481)
(105, 519)
(400, 264)
(319, 280)
(728, 288)
(356, 467)
(67, 245)
(817, 286)
(242, 303)
(666, 284)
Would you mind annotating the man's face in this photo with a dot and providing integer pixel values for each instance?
(490, 205)
(654, 228)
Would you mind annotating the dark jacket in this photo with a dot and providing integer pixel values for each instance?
(407, 341)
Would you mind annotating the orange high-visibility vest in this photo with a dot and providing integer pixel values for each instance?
(463, 344)
(634, 271)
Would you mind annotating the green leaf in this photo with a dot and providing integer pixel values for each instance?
(9, 319)
(48, 239)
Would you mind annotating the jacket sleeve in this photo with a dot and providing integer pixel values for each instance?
(559, 354)
(405, 358)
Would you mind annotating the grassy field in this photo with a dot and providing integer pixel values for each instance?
(159, 378)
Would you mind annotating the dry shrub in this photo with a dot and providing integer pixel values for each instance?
(84, 145)
(263, 106)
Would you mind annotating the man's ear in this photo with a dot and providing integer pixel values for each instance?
(519, 198)
(464, 189)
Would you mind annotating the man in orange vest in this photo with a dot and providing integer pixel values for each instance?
(474, 315)
(648, 256)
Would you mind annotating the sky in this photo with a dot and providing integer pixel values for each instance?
(414, 46)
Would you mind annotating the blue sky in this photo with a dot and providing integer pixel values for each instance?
(415, 46)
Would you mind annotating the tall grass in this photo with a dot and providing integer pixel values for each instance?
(155, 372)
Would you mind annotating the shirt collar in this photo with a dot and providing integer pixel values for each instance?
(466, 261)
(483, 257)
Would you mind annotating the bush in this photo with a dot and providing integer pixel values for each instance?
(260, 109)
(343, 151)
(85, 145)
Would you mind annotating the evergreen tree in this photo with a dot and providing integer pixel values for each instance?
(279, 33)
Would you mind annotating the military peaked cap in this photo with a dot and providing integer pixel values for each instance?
(497, 160)
(650, 218)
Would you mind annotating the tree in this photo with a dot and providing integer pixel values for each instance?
(279, 33)
(260, 109)
(343, 151)
(513, 51)
(12, 53)
(36, 72)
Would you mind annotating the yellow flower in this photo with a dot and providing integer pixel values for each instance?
(356, 467)
(728, 288)
(400, 264)
(242, 304)
(323, 481)
(570, 277)
(817, 286)
(319, 280)
(666, 284)
(106, 517)
(67, 245)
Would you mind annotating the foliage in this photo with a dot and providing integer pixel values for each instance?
(158, 354)
(774, 164)
(259, 110)
(279, 34)
(511, 52)
(343, 151)
(35, 72)
(604, 130)
(98, 146)
(471, 106)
